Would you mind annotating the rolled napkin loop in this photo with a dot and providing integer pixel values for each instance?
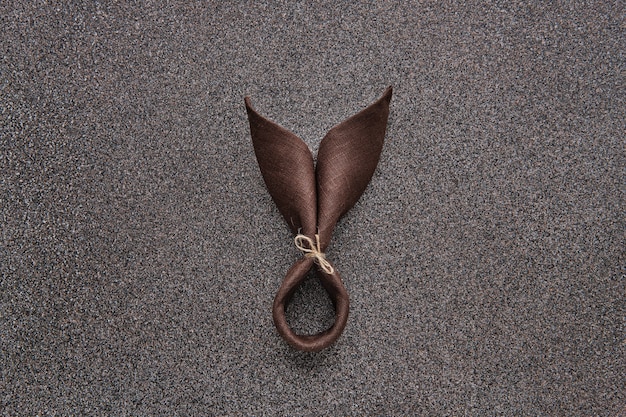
(312, 250)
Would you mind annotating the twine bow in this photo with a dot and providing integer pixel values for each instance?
(312, 250)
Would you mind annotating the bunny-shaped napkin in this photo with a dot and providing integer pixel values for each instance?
(312, 199)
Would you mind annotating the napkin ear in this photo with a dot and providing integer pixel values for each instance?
(287, 168)
(346, 161)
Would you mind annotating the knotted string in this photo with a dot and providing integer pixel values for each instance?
(312, 250)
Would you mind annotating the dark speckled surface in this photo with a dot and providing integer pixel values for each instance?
(140, 251)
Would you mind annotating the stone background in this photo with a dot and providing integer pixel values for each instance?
(140, 251)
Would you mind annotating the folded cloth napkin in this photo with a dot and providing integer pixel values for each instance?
(313, 198)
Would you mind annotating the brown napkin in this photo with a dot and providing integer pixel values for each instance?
(313, 199)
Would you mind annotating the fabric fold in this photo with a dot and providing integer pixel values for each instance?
(313, 198)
